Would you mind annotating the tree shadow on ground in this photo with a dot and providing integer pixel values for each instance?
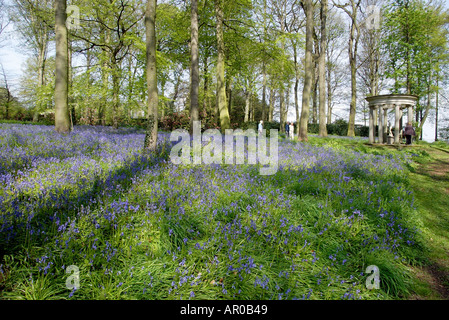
(14, 229)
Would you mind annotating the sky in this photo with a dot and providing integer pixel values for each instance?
(13, 56)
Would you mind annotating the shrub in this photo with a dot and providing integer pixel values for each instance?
(361, 131)
(176, 120)
(339, 128)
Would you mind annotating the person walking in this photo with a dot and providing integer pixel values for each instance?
(408, 133)
(291, 130)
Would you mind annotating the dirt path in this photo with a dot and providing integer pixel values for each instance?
(438, 168)
(431, 188)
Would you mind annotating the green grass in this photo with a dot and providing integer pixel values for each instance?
(432, 199)
(429, 278)
(431, 194)
(184, 246)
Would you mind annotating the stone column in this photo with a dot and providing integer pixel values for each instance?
(396, 125)
(371, 124)
(376, 123)
(385, 122)
(380, 132)
(410, 113)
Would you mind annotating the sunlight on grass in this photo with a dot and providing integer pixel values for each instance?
(142, 228)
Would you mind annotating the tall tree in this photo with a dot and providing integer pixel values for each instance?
(415, 43)
(335, 69)
(352, 9)
(264, 67)
(280, 10)
(308, 69)
(62, 118)
(8, 98)
(194, 66)
(297, 78)
(33, 21)
(370, 57)
(322, 69)
(222, 105)
(151, 72)
(3, 21)
(111, 29)
(436, 109)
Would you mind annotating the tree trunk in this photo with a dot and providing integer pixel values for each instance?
(295, 59)
(176, 90)
(161, 111)
(407, 53)
(374, 63)
(206, 104)
(421, 122)
(271, 111)
(329, 96)
(282, 119)
(7, 105)
(150, 142)
(102, 107)
(247, 102)
(302, 134)
(282, 109)
(353, 43)
(322, 70)
(71, 100)
(88, 111)
(229, 92)
(314, 92)
(264, 92)
(131, 83)
(221, 89)
(436, 110)
(194, 64)
(62, 119)
(352, 106)
(42, 56)
(264, 68)
(103, 104)
(8, 93)
(115, 91)
(252, 107)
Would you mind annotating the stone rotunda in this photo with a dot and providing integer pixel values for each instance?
(378, 108)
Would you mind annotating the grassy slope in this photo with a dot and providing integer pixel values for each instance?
(430, 182)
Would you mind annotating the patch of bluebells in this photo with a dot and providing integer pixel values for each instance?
(44, 172)
(94, 197)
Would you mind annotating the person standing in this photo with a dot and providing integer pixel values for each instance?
(291, 130)
(287, 128)
(408, 133)
(260, 126)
